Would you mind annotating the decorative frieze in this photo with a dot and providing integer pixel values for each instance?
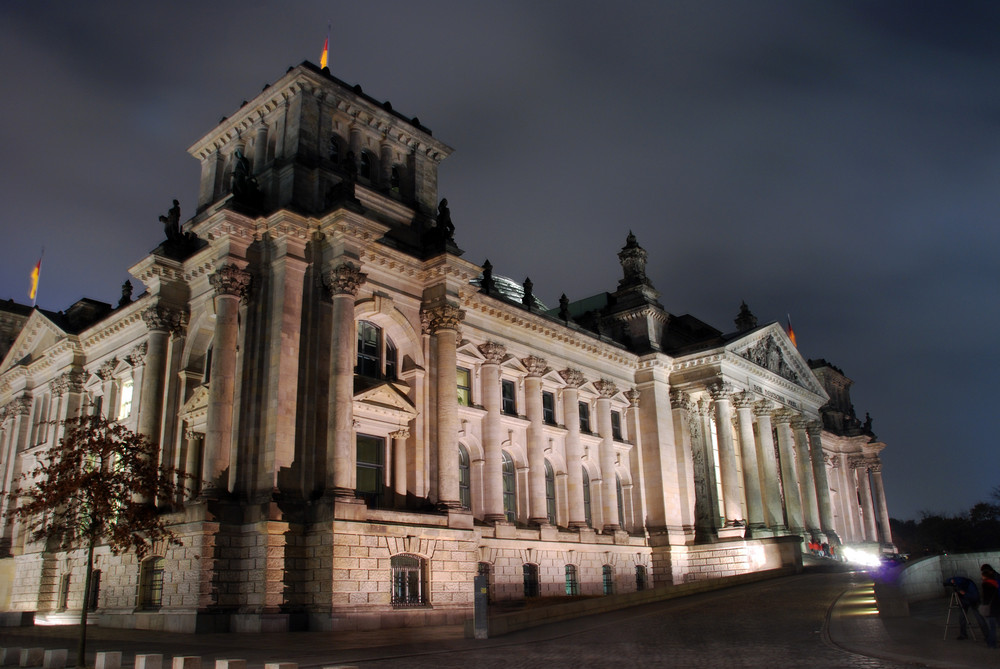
(493, 352)
(231, 280)
(345, 279)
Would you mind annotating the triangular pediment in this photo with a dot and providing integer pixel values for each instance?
(38, 335)
(386, 395)
(771, 349)
(198, 402)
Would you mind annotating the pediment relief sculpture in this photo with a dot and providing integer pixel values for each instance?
(767, 353)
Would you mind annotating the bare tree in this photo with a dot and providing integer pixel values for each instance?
(96, 488)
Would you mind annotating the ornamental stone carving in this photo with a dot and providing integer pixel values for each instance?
(680, 400)
(767, 354)
(573, 377)
(137, 355)
(875, 467)
(536, 366)
(443, 317)
(106, 371)
(814, 428)
(763, 408)
(783, 416)
(345, 279)
(231, 280)
(69, 381)
(606, 387)
(163, 319)
(799, 422)
(744, 400)
(857, 462)
(494, 352)
(721, 391)
(401, 433)
(19, 406)
(632, 395)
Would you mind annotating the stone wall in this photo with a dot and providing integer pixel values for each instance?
(922, 579)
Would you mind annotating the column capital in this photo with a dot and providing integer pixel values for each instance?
(160, 318)
(721, 392)
(763, 408)
(680, 400)
(106, 371)
(783, 416)
(875, 467)
(857, 462)
(401, 433)
(814, 428)
(494, 352)
(137, 356)
(442, 317)
(231, 280)
(19, 406)
(701, 407)
(573, 377)
(744, 400)
(606, 387)
(345, 279)
(799, 422)
(535, 365)
(633, 395)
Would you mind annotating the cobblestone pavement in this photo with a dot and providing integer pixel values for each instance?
(786, 622)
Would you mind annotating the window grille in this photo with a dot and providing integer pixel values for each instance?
(572, 584)
(608, 579)
(408, 586)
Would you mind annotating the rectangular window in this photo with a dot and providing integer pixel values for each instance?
(616, 425)
(125, 406)
(63, 592)
(548, 407)
(508, 393)
(584, 417)
(371, 470)
(464, 387)
(95, 590)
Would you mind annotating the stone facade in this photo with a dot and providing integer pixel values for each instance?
(372, 420)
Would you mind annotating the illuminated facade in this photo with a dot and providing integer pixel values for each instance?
(375, 420)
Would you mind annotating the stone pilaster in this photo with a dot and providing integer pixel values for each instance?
(344, 282)
(609, 497)
(706, 504)
(536, 367)
(878, 493)
(574, 451)
(494, 354)
(231, 284)
(860, 466)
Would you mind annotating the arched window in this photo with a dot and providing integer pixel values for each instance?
(640, 577)
(409, 585)
(550, 494)
(377, 354)
(464, 478)
(151, 583)
(509, 488)
(531, 588)
(367, 168)
(586, 499)
(608, 579)
(621, 501)
(572, 584)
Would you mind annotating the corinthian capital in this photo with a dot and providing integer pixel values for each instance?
(442, 317)
(814, 428)
(401, 433)
(632, 395)
(875, 467)
(231, 280)
(763, 408)
(536, 366)
(345, 279)
(800, 422)
(744, 400)
(137, 355)
(19, 406)
(573, 377)
(494, 352)
(107, 370)
(721, 392)
(680, 400)
(606, 387)
(783, 416)
(163, 319)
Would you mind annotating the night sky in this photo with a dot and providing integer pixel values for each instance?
(836, 161)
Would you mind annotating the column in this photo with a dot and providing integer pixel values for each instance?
(804, 471)
(767, 465)
(815, 429)
(538, 514)
(748, 450)
(865, 492)
(706, 507)
(160, 320)
(728, 470)
(494, 354)
(17, 412)
(231, 284)
(786, 450)
(609, 498)
(260, 148)
(640, 510)
(385, 162)
(444, 328)
(399, 438)
(574, 450)
(192, 456)
(880, 505)
(344, 281)
(849, 499)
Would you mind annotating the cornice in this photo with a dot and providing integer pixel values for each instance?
(112, 329)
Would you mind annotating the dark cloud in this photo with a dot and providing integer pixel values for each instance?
(837, 161)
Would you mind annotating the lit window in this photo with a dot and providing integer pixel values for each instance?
(508, 394)
(607, 578)
(151, 583)
(616, 425)
(371, 470)
(125, 406)
(408, 583)
(464, 477)
(584, 417)
(586, 499)
(377, 356)
(549, 408)
(531, 588)
(464, 387)
(550, 494)
(572, 584)
(509, 488)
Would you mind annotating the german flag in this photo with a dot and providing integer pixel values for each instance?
(34, 280)
(791, 332)
(326, 50)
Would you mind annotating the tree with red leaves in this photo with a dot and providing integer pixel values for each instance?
(96, 488)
